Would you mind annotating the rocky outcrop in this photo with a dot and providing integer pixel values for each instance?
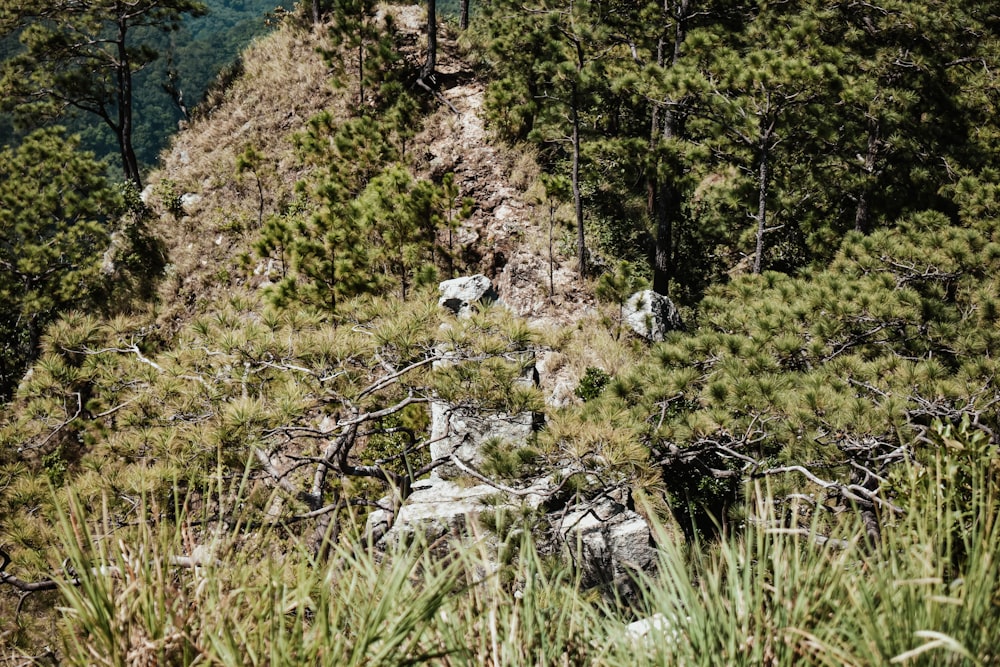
(461, 295)
(651, 315)
(461, 432)
(596, 530)
(610, 544)
(439, 507)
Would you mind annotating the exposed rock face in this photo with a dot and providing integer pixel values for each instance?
(462, 432)
(439, 507)
(610, 544)
(435, 508)
(608, 541)
(460, 295)
(651, 315)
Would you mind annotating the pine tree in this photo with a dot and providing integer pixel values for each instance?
(615, 287)
(55, 208)
(357, 35)
(764, 96)
(556, 190)
(84, 55)
(404, 216)
(430, 61)
(667, 111)
(905, 130)
(555, 56)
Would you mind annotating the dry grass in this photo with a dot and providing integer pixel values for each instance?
(285, 82)
(573, 349)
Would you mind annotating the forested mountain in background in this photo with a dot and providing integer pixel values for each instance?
(190, 61)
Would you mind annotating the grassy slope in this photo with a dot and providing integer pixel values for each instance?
(767, 598)
(285, 83)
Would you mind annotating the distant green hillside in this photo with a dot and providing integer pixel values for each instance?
(197, 54)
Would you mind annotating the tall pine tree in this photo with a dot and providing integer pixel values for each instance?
(55, 206)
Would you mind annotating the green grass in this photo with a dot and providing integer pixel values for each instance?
(769, 594)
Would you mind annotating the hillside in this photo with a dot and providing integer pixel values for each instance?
(502, 238)
(206, 216)
(282, 448)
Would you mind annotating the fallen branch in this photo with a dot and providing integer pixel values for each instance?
(20, 584)
(438, 96)
(820, 540)
(530, 491)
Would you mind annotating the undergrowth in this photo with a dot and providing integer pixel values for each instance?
(774, 593)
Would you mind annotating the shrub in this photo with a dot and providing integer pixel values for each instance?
(592, 384)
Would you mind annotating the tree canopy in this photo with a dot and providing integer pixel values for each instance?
(56, 209)
(84, 55)
(804, 119)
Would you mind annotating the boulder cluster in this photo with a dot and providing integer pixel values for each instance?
(598, 531)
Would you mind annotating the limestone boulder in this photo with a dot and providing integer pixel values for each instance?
(439, 507)
(651, 315)
(190, 202)
(434, 508)
(462, 432)
(461, 295)
(610, 544)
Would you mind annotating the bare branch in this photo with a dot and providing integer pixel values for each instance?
(21, 584)
(853, 492)
(530, 491)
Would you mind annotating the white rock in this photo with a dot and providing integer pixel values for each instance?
(435, 507)
(503, 212)
(460, 294)
(188, 201)
(462, 432)
(656, 625)
(609, 543)
(651, 315)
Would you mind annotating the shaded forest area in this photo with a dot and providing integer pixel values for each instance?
(712, 137)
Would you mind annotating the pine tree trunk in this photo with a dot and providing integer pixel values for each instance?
(763, 175)
(663, 256)
(361, 72)
(654, 204)
(664, 200)
(581, 246)
(667, 209)
(123, 128)
(463, 16)
(430, 65)
(862, 213)
(315, 12)
(552, 223)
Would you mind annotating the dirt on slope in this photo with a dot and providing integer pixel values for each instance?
(506, 237)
